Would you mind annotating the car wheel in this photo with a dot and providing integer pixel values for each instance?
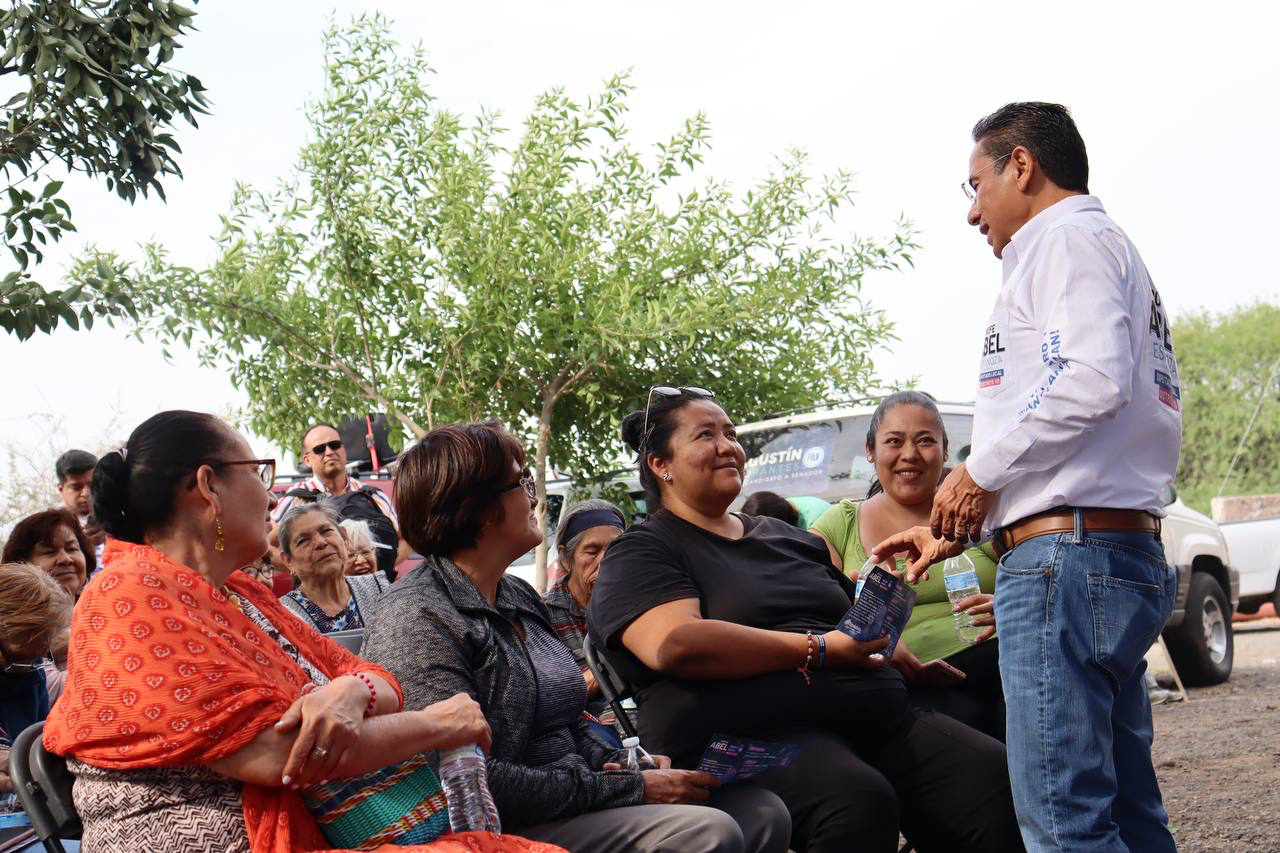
(1275, 595)
(1202, 647)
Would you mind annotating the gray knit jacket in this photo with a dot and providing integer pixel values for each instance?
(439, 636)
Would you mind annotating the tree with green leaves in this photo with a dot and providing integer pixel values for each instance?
(89, 90)
(1230, 393)
(432, 267)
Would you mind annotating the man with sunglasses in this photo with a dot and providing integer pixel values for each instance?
(324, 453)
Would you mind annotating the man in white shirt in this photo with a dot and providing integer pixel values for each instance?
(74, 470)
(1077, 427)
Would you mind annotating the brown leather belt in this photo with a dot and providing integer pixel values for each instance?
(1063, 520)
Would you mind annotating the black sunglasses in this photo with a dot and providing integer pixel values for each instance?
(336, 444)
(668, 391)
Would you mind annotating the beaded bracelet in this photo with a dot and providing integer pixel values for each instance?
(811, 651)
(373, 692)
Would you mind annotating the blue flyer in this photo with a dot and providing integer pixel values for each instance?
(729, 758)
(883, 607)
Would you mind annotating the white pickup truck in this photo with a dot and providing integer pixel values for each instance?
(1255, 552)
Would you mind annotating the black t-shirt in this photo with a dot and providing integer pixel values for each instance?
(776, 577)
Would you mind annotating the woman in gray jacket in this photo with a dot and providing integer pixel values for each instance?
(458, 623)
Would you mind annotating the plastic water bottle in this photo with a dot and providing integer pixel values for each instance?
(862, 577)
(636, 758)
(466, 788)
(961, 578)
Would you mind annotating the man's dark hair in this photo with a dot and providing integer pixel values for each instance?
(73, 462)
(449, 484)
(773, 505)
(1047, 131)
(302, 441)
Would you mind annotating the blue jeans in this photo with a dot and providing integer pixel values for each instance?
(1077, 613)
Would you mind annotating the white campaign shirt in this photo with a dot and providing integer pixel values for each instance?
(1079, 400)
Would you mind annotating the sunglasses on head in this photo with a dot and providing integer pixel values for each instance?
(668, 391)
(336, 444)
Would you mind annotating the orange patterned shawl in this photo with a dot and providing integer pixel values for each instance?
(164, 671)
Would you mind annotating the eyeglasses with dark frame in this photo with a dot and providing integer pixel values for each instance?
(14, 668)
(526, 480)
(335, 444)
(970, 191)
(667, 391)
(266, 468)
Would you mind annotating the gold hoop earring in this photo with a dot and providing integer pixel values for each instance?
(219, 544)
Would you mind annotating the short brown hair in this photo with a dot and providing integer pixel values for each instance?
(446, 484)
(34, 529)
(33, 607)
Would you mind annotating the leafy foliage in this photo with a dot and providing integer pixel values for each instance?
(428, 265)
(89, 91)
(1226, 361)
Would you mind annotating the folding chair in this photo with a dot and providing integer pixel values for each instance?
(43, 784)
(349, 639)
(611, 685)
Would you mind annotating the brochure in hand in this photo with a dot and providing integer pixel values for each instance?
(730, 758)
(883, 607)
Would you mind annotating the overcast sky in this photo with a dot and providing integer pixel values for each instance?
(1178, 110)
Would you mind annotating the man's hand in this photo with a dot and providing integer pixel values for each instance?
(959, 507)
(922, 548)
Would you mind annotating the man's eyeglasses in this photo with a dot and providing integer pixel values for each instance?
(336, 444)
(667, 391)
(970, 191)
(14, 668)
(526, 480)
(266, 468)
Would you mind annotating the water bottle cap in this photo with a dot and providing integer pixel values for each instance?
(630, 742)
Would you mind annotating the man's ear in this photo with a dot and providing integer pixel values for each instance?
(1024, 165)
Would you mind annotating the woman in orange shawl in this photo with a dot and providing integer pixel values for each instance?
(195, 705)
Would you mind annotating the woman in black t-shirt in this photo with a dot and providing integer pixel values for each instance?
(711, 614)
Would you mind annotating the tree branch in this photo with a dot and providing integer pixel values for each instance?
(334, 367)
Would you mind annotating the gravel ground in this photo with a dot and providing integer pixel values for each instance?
(1218, 754)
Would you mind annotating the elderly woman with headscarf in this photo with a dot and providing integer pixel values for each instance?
(314, 546)
(586, 529)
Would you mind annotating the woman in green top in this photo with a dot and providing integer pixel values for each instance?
(908, 446)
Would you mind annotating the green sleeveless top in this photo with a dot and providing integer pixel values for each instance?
(931, 631)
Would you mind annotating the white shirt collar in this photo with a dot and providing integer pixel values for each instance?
(1025, 238)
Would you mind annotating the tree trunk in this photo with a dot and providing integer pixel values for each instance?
(540, 481)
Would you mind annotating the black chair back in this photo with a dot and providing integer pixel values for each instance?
(611, 685)
(43, 784)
